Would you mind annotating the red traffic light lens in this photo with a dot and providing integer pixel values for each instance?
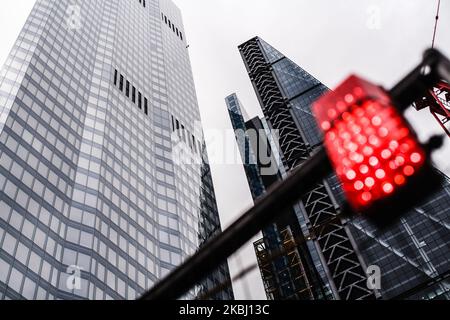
(371, 146)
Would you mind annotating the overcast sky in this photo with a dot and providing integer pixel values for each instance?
(378, 39)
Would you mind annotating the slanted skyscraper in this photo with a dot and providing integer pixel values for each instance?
(92, 203)
(413, 255)
(294, 274)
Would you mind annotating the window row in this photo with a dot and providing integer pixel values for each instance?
(172, 26)
(130, 91)
(186, 136)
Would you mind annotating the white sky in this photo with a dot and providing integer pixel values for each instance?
(328, 38)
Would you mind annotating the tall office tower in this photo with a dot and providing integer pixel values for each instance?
(413, 255)
(96, 96)
(291, 275)
(286, 92)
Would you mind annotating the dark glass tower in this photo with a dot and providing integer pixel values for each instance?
(95, 98)
(413, 255)
(295, 274)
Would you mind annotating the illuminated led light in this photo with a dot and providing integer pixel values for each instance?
(350, 146)
(370, 182)
(399, 161)
(373, 161)
(364, 121)
(359, 158)
(372, 148)
(359, 185)
(370, 108)
(356, 157)
(351, 174)
(346, 135)
(346, 162)
(416, 157)
(361, 139)
(366, 196)
(368, 151)
(358, 91)
(356, 129)
(341, 106)
(346, 116)
(402, 133)
(404, 147)
(340, 126)
(393, 145)
(393, 165)
(349, 98)
(386, 154)
(408, 171)
(332, 113)
(326, 126)
(359, 113)
(376, 121)
(383, 132)
(380, 174)
(364, 169)
(374, 140)
(388, 188)
(399, 180)
(331, 135)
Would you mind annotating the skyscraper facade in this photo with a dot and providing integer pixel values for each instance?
(412, 255)
(293, 274)
(284, 91)
(95, 97)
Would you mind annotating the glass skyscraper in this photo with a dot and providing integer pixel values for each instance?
(293, 274)
(95, 97)
(413, 255)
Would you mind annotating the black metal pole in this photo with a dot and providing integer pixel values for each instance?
(266, 210)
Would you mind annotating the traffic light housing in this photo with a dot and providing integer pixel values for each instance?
(374, 151)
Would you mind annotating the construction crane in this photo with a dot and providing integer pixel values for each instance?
(437, 100)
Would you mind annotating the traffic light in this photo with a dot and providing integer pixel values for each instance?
(374, 151)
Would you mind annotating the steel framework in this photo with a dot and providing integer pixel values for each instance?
(438, 102)
(298, 276)
(339, 254)
(265, 267)
(289, 282)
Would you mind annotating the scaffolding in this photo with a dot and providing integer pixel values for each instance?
(289, 282)
(265, 267)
